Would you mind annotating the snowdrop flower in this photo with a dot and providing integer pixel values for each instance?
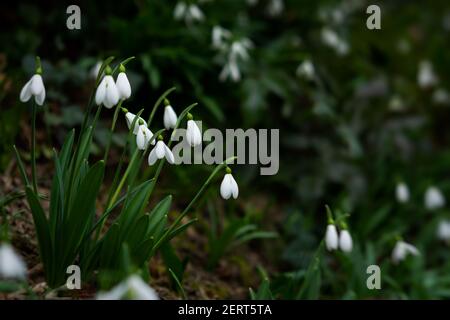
(193, 134)
(229, 187)
(306, 70)
(345, 241)
(230, 70)
(239, 49)
(331, 39)
(11, 264)
(95, 70)
(170, 117)
(275, 7)
(122, 84)
(219, 35)
(434, 199)
(34, 87)
(143, 137)
(133, 288)
(402, 192)
(331, 237)
(107, 93)
(402, 250)
(129, 117)
(426, 77)
(189, 12)
(443, 230)
(160, 151)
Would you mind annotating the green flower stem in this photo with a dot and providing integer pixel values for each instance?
(113, 126)
(33, 148)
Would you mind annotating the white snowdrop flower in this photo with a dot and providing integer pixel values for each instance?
(434, 199)
(230, 70)
(345, 241)
(122, 84)
(196, 13)
(107, 93)
(219, 35)
(229, 187)
(189, 12)
(34, 87)
(402, 250)
(426, 77)
(95, 70)
(143, 137)
(275, 7)
(129, 117)
(443, 231)
(331, 39)
(402, 192)
(239, 49)
(12, 265)
(306, 70)
(160, 151)
(193, 134)
(331, 237)
(180, 10)
(133, 288)
(170, 117)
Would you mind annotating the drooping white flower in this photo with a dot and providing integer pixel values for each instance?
(170, 117)
(239, 49)
(443, 230)
(123, 85)
(193, 134)
(219, 35)
(426, 77)
(143, 137)
(402, 192)
(229, 187)
(160, 151)
(129, 117)
(107, 93)
(345, 241)
(230, 70)
(331, 237)
(306, 70)
(402, 250)
(132, 288)
(34, 87)
(434, 199)
(12, 265)
(332, 39)
(188, 12)
(275, 7)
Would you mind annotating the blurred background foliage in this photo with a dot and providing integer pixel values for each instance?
(349, 131)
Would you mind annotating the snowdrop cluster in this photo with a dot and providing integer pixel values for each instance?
(426, 77)
(402, 192)
(12, 265)
(188, 12)
(335, 240)
(109, 93)
(234, 52)
(34, 88)
(132, 288)
(333, 40)
(402, 250)
(434, 199)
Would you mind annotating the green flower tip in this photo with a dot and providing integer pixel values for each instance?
(160, 137)
(122, 68)
(228, 170)
(124, 110)
(38, 65)
(108, 70)
(166, 102)
(343, 225)
(190, 116)
(141, 121)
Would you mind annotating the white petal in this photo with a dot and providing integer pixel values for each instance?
(141, 290)
(101, 92)
(123, 86)
(234, 187)
(40, 98)
(193, 134)
(140, 138)
(116, 293)
(152, 158)
(112, 95)
(25, 93)
(129, 117)
(169, 155)
(37, 85)
(331, 238)
(225, 187)
(160, 152)
(11, 264)
(170, 118)
(345, 241)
